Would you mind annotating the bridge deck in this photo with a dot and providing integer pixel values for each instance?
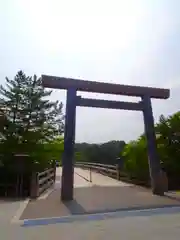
(102, 195)
(99, 179)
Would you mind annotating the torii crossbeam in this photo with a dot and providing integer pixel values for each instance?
(74, 85)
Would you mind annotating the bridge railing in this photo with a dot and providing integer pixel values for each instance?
(105, 169)
(112, 171)
(41, 181)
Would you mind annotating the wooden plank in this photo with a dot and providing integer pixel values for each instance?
(41, 174)
(102, 87)
(99, 103)
(95, 164)
(43, 180)
(45, 186)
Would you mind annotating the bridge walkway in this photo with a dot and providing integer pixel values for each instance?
(101, 209)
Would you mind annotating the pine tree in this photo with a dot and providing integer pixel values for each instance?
(27, 117)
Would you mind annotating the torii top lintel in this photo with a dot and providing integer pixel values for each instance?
(102, 87)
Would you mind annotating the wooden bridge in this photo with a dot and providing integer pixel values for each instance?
(93, 214)
(94, 193)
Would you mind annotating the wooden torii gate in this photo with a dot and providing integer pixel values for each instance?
(74, 85)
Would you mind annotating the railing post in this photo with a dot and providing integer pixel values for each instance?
(118, 172)
(90, 173)
(54, 168)
(34, 191)
(54, 173)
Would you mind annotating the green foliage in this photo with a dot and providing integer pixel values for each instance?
(30, 123)
(79, 157)
(168, 144)
(54, 149)
(101, 153)
(136, 161)
(168, 130)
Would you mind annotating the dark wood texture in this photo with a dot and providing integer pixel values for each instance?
(102, 87)
(154, 161)
(99, 103)
(68, 155)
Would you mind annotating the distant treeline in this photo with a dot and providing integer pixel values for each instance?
(106, 153)
(135, 153)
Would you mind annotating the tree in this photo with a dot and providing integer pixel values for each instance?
(106, 153)
(136, 160)
(30, 120)
(53, 150)
(168, 146)
(168, 130)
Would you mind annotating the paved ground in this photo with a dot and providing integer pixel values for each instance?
(102, 195)
(7, 210)
(156, 227)
(98, 179)
(158, 224)
(79, 181)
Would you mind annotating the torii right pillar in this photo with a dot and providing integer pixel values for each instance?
(157, 182)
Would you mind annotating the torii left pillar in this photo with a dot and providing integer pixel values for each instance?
(67, 180)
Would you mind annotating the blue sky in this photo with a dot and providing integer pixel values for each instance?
(125, 42)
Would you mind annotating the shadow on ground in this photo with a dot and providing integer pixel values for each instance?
(74, 207)
(96, 199)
